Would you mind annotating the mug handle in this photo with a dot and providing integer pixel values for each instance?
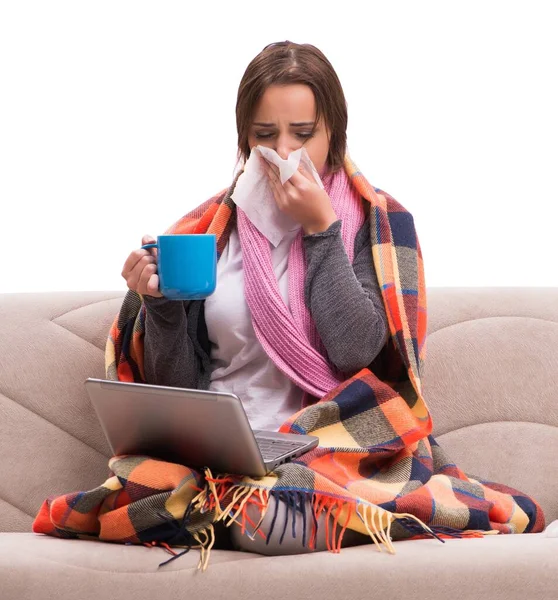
(147, 246)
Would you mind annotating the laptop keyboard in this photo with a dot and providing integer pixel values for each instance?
(272, 448)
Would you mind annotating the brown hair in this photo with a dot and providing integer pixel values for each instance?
(284, 63)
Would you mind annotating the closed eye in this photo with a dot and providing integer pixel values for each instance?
(263, 136)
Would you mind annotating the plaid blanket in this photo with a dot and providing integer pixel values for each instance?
(377, 469)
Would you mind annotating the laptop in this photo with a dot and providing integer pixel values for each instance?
(196, 428)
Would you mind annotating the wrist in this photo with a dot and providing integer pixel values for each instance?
(321, 225)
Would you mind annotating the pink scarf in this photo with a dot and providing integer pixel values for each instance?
(289, 337)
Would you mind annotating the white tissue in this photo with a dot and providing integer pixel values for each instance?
(255, 197)
(552, 529)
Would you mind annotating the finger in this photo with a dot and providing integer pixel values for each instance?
(148, 239)
(153, 286)
(299, 180)
(274, 180)
(132, 261)
(303, 169)
(279, 193)
(134, 276)
(273, 172)
(269, 174)
(146, 274)
(263, 161)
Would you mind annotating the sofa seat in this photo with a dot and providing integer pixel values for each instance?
(505, 567)
(490, 384)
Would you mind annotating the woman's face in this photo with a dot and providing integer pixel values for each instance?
(283, 121)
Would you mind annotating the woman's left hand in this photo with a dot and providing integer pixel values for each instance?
(301, 198)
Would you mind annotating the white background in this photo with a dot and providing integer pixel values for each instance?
(118, 117)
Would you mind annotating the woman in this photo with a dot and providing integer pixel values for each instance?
(323, 334)
(289, 97)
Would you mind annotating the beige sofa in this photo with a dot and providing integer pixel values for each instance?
(490, 382)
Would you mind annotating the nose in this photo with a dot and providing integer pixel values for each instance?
(284, 147)
(283, 152)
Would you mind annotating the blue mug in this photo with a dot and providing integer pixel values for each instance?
(187, 265)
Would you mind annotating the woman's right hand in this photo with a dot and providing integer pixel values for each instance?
(140, 270)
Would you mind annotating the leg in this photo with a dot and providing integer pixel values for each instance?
(290, 544)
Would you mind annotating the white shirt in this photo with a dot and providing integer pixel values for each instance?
(239, 363)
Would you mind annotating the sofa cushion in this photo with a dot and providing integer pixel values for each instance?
(496, 567)
(489, 381)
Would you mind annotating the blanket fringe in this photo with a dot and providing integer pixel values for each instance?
(205, 545)
(418, 528)
(378, 525)
(376, 521)
(219, 488)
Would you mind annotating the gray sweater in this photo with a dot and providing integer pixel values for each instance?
(344, 301)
